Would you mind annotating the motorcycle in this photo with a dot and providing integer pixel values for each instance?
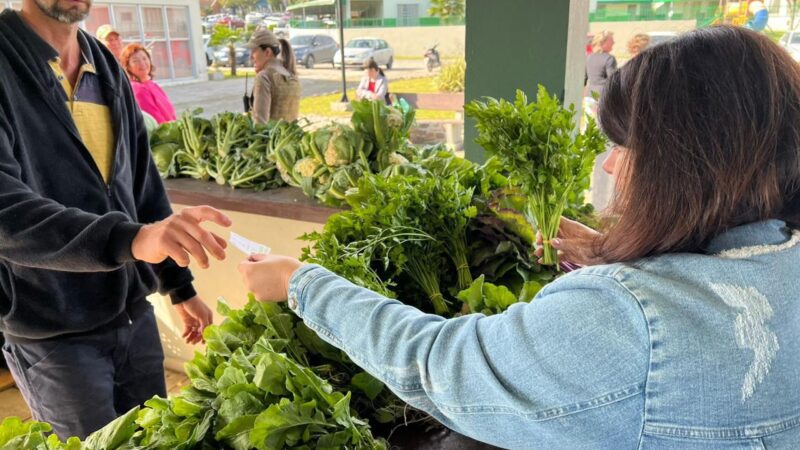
(432, 58)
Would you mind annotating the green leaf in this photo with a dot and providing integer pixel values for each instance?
(473, 295)
(186, 408)
(529, 290)
(15, 434)
(271, 374)
(236, 434)
(241, 404)
(231, 376)
(498, 298)
(367, 384)
(286, 424)
(115, 433)
(222, 307)
(333, 440)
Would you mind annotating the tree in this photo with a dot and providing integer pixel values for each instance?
(240, 6)
(277, 5)
(794, 14)
(224, 35)
(447, 9)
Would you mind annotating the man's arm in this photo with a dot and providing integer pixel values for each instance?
(42, 233)
(152, 205)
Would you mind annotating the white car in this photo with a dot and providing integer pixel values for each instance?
(275, 20)
(360, 50)
(791, 42)
(211, 20)
(254, 18)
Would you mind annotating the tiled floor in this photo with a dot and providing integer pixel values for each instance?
(12, 404)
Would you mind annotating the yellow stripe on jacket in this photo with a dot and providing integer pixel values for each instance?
(91, 115)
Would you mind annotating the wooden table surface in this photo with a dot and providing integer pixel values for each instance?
(285, 202)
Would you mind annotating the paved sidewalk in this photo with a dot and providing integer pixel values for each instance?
(226, 95)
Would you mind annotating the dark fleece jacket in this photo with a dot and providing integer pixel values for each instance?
(65, 234)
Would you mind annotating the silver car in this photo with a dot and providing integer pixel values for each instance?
(360, 50)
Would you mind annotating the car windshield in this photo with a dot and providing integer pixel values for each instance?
(302, 40)
(361, 43)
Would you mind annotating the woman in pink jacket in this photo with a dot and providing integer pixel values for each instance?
(152, 99)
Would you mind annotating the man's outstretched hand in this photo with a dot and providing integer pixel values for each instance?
(181, 237)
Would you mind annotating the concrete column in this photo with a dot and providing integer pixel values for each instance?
(519, 44)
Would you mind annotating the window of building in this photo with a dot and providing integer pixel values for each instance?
(164, 30)
(98, 16)
(408, 14)
(127, 23)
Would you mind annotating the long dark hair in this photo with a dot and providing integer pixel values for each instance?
(711, 124)
(288, 56)
(371, 64)
(285, 49)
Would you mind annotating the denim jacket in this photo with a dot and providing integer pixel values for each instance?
(679, 351)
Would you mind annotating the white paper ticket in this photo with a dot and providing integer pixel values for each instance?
(247, 246)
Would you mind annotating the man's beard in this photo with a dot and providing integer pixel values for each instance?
(68, 16)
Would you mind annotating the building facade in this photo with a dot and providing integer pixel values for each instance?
(171, 30)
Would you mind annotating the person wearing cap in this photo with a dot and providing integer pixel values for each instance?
(86, 228)
(276, 91)
(111, 39)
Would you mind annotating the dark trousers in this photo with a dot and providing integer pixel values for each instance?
(80, 383)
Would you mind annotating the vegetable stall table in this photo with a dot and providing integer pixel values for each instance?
(275, 218)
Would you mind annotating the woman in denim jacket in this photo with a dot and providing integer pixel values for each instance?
(682, 331)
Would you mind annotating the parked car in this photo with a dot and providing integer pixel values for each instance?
(231, 21)
(791, 42)
(276, 20)
(314, 48)
(254, 18)
(210, 20)
(357, 51)
(222, 56)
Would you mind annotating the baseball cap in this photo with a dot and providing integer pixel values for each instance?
(104, 30)
(263, 37)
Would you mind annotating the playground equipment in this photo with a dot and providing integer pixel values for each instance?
(746, 13)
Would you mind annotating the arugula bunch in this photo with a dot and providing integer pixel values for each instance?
(537, 143)
(32, 435)
(251, 389)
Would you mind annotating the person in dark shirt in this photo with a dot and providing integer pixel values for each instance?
(86, 228)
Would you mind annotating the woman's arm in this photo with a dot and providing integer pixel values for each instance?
(546, 367)
(362, 91)
(381, 88)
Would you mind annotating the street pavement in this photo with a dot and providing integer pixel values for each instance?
(226, 95)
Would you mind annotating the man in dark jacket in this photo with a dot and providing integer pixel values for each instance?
(76, 262)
